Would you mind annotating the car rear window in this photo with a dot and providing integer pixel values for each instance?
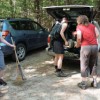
(15, 25)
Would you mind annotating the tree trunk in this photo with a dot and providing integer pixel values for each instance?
(37, 10)
(12, 10)
(25, 8)
(98, 9)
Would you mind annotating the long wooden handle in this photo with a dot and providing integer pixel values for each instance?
(15, 50)
(17, 61)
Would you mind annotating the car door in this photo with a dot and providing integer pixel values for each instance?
(42, 34)
(31, 34)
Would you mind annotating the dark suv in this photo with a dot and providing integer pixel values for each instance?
(26, 33)
(72, 12)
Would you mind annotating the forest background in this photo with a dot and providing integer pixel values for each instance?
(34, 9)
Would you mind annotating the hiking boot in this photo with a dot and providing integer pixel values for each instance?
(94, 84)
(82, 85)
(61, 74)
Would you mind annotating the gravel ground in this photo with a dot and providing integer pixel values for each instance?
(42, 83)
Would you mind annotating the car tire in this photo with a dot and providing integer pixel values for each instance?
(21, 52)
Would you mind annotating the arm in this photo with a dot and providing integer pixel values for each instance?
(97, 32)
(7, 43)
(64, 26)
(79, 36)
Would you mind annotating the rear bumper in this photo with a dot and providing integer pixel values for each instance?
(7, 50)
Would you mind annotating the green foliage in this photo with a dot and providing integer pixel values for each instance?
(33, 8)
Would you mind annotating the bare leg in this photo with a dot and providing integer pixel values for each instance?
(1, 74)
(56, 59)
(60, 60)
(59, 65)
(84, 79)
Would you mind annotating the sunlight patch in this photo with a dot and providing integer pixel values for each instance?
(60, 93)
(30, 69)
(48, 62)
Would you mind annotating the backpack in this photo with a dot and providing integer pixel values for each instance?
(55, 32)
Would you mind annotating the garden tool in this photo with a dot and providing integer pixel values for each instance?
(19, 67)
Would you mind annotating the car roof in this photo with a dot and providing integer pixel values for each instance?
(70, 6)
(16, 19)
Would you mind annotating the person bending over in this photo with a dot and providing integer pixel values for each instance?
(59, 49)
(87, 35)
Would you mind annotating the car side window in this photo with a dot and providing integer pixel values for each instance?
(26, 25)
(36, 26)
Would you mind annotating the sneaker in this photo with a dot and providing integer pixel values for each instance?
(2, 82)
(94, 84)
(3, 89)
(82, 85)
(61, 74)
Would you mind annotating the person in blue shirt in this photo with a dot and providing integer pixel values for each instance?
(2, 62)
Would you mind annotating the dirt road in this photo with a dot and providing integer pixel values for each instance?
(42, 83)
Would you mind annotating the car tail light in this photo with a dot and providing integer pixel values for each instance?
(49, 40)
(5, 33)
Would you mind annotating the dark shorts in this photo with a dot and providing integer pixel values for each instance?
(2, 63)
(88, 57)
(58, 47)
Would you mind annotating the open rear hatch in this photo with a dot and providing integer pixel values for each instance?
(71, 11)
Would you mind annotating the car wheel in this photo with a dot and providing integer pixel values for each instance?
(21, 52)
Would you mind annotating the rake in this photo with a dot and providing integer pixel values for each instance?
(21, 75)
